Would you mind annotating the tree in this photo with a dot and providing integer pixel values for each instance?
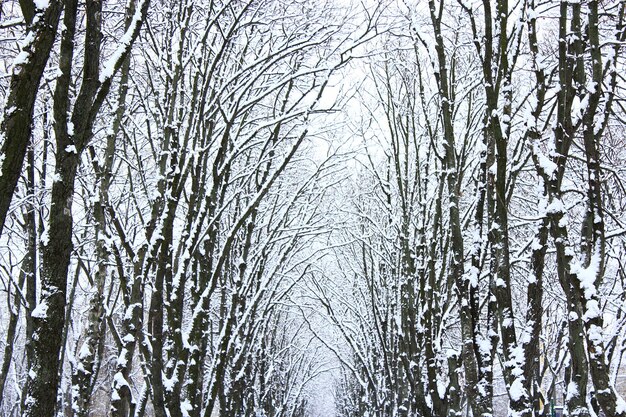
(72, 137)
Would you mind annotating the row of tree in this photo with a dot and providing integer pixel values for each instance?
(159, 205)
(486, 242)
(181, 234)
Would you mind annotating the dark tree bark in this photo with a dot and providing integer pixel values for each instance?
(16, 127)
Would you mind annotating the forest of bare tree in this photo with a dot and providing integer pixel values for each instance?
(299, 208)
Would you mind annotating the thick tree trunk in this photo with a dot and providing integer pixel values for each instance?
(49, 315)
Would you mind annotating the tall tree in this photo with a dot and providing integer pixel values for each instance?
(73, 129)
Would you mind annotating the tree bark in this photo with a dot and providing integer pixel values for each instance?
(16, 126)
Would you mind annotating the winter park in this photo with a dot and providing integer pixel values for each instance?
(313, 208)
